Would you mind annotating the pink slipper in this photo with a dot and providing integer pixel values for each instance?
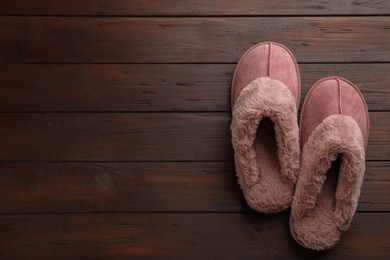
(265, 96)
(334, 128)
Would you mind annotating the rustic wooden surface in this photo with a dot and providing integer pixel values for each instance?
(189, 8)
(191, 39)
(114, 125)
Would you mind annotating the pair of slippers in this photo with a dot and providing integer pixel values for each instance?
(316, 168)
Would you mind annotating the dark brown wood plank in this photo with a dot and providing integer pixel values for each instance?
(156, 87)
(187, 7)
(107, 87)
(379, 133)
(119, 187)
(115, 137)
(376, 187)
(145, 187)
(190, 40)
(179, 236)
(137, 137)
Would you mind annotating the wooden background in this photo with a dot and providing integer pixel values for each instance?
(115, 115)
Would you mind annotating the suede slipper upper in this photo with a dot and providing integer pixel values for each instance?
(334, 127)
(265, 97)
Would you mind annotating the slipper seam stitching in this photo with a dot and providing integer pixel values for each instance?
(315, 85)
(251, 49)
(296, 71)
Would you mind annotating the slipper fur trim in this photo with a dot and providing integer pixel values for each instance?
(265, 97)
(337, 134)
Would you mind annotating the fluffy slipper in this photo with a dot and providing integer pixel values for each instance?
(334, 128)
(265, 97)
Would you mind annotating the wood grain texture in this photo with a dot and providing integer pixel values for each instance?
(190, 40)
(157, 87)
(145, 187)
(137, 137)
(179, 236)
(115, 137)
(188, 7)
(115, 117)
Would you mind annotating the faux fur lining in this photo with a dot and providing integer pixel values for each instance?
(262, 98)
(337, 134)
